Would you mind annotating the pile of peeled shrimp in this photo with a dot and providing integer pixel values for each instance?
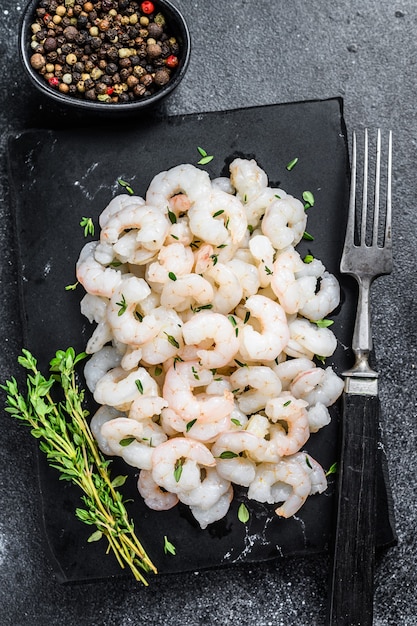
(202, 356)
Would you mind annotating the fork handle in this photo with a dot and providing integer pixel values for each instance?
(352, 586)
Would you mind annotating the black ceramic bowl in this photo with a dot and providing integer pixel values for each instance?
(176, 27)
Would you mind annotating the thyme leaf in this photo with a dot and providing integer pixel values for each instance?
(206, 158)
(122, 306)
(292, 164)
(71, 287)
(169, 547)
(126, 186)
(332, 469)
(243, 513)
(87, 224)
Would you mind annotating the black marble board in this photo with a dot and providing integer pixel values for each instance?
(57, 177)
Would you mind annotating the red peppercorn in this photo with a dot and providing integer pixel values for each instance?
(147, 7)
(110, 91)
(53, 81)
(171, 61)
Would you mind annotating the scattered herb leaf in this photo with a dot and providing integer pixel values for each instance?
(206, 158)
(126, 441)
(123, 306)
(190, 425)
(139, 385)
(243, 513)
(324, 323)
(71, 287)
(126, 186)
(228, 454)
(292, 164)
(169, 547)
(87, 224)
(332, 469)
(308, 199)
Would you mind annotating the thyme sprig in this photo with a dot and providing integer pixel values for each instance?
(66, 439)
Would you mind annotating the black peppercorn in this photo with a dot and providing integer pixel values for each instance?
(111, 69)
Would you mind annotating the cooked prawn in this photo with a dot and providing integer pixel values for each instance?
(154, 497)
(267, 344)
(292, 412)
(181, 379)
(121, 312)
(216, 327)
(96, 279)
(176, 464)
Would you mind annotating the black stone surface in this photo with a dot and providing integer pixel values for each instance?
(244, 54)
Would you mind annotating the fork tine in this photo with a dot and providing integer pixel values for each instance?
(377, 184)
(388, 240)
(350, 227)
(364, 189)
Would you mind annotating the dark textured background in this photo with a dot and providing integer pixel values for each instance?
(245, 53)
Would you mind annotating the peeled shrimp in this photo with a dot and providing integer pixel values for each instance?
(186, 291)
(219, 509)
(324, 301)
(315, 471)
(151, 226)
(121, 313)
(227, 449)
(126, 438)
(185, 178)
(176, 464)
(263, 252)
(181, 379)
(292, 473)
(216, 217)
(291, 289)
(175, 258)
(317, 385)
(119, 388)
(293, 413)
(101, 416)
(287, 370)
(154, 497)
(208, 492)
(264, 384)
(284, 222)
(247, 178)
(99, 364)
(96, 279)
(267, 344)
(216, 327)
(95, 309)
(167, 341)
(247, 275)
(308, 339)
(118, 203)
(228, 290)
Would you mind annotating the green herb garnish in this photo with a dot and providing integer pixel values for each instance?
(87, 224)
(122, 306)
(205, 157)
(66, 439)
(243, 513)
(126, 186)
(169, 547)
(292, 164)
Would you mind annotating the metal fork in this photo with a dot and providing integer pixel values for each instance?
(351, 593)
